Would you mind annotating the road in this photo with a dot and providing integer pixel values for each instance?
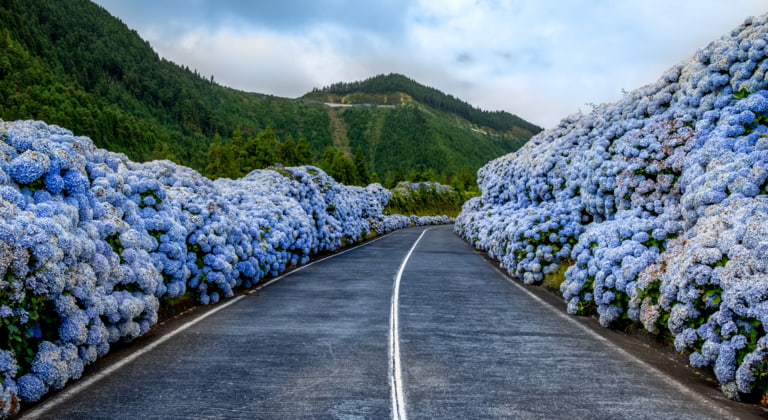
(463, 341)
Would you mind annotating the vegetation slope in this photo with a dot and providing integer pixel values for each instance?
(73, 64)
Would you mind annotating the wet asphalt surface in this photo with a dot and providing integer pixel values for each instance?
(316, 344)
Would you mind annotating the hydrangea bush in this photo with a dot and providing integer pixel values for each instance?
(658, 206)
(90, 243)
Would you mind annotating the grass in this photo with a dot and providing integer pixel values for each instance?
(554, 280)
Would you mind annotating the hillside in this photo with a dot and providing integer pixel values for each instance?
(73, 64)
(397, 89)
(407, 129)
(411, 138)
(652, 212)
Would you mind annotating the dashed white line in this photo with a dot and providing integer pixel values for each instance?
(395, 372)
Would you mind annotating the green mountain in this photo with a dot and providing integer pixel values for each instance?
(407, 129)
(392, 87)
(73, 64)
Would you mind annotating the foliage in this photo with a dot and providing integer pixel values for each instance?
(406, 142)
(556, 278)
(425, 198)
(77, 66)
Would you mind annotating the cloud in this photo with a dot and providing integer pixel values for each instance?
(545, 60)
(261, 61)
(540, 60)
(284, 16)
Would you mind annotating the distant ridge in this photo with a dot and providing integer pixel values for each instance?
(500, 121)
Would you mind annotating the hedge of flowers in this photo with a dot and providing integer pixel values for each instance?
(90, 243)
(657, 205)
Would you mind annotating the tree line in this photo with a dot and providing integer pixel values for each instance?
(237, 156)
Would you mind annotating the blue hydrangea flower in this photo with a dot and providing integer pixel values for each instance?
(31, 388)
(29, 166)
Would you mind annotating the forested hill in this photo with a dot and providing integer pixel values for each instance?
(73, 64)
(499, 121)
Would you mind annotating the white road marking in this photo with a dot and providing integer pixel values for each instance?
(395, 371)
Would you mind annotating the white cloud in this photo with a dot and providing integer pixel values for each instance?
(541, 60)
(261, 60)
(545, 60)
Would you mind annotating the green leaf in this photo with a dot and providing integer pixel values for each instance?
(741, 93)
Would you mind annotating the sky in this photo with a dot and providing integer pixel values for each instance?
(539, 59)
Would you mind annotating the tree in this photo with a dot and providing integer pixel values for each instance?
(215, 167)
(392, 178)
(161, 151)
(429, 175)
(287, 152)
(327, 161)
(260, 152)
(361, 168)
(235, 155)
(303, 152)
(467, 178)
(338, 166)
(343, 170)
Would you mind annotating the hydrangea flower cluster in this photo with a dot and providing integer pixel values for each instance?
(657, 204)
(90, 243)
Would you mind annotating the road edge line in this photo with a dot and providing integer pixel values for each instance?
(87, 382)
(395, 370)
(627, 355)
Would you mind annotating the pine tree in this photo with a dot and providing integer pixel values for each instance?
(215, 167)
(287, 152)
(303, 152)
(260, 151)
(235, 155)
(326, 163)
(361, 168)
(343, 170)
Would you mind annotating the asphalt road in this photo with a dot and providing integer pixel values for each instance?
(323, 342)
